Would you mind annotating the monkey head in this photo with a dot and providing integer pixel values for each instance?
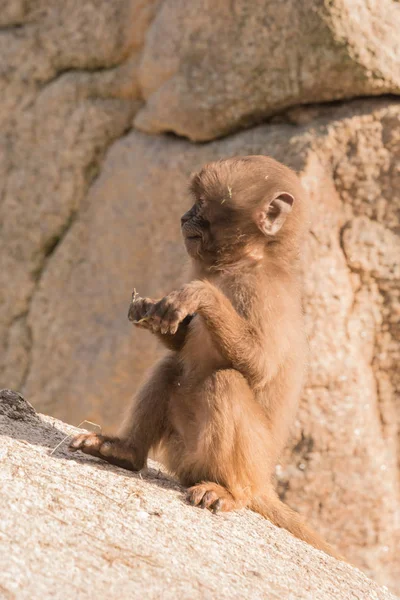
(243, 207)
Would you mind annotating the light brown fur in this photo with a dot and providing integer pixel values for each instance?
(218, 407)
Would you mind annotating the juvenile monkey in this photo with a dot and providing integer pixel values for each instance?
(217, 409)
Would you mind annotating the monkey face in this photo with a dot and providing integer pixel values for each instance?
(208, 230)
(195, 230)
(240, 207)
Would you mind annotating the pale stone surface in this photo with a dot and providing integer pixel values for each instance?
(68, 89)
(341, 468)
(72, 526)
(209, 67)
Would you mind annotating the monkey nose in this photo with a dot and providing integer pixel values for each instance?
(185, 218)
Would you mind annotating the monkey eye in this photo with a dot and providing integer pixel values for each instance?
(201, 201)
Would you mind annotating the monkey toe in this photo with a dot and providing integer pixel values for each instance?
(217, 506)
(211, 496)
(208, 499)
(90, 443)
(106, 449)
(80, 441)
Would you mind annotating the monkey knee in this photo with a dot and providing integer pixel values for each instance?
(229, 391)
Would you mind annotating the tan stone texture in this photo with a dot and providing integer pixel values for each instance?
(68, 89)
(72, 526)
(210, 67)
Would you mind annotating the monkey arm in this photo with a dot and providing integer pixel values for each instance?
(237, 340)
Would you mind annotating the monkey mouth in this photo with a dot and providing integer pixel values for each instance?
(190, 234)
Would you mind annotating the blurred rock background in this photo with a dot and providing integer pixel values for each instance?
(105, 109)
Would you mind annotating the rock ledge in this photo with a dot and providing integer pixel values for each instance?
(73, 525)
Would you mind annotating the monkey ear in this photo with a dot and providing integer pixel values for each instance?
(271, 218)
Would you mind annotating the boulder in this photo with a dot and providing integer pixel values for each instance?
(72, 525)
(210, 68)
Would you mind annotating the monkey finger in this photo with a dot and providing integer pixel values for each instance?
(164, 327)
(135, 310)
(143, 325)
(149, 324)
(154, 326)
(168, 324)
(171, 321)
(173, 327)
(158, 311)
(138, 309)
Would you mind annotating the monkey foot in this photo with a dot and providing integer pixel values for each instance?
(212, 496)
(112, 450)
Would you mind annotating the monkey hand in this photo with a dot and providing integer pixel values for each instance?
(139, 312)
(171, 310)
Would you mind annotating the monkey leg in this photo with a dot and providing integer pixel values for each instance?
(225, 453)
(233, 457)
(145, 425)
